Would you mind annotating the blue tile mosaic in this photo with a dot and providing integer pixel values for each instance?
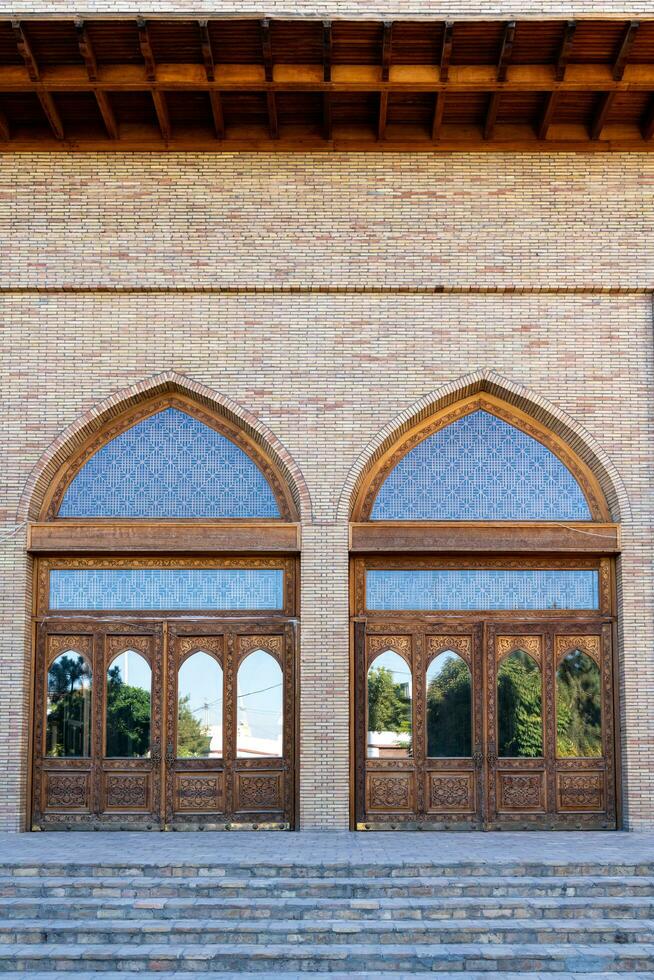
(478, 589)
(166, 588)
(170, 465)
(480, 468)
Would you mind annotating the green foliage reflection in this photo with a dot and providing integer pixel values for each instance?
(519, 722)
(68, 723)
(389, 702)
(193, 739)
(578, 707)
(449, 708)
(128, 718)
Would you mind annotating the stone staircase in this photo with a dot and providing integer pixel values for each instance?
(354, 920)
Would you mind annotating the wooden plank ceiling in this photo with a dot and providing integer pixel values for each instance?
(230, 84)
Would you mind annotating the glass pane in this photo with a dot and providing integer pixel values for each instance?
(449, 707)
(578, 707)
(260, 701)
(472, 589)
(200, 708)
(68, 722)
(170, 465)
(129, 685)
(389, 707)
(519, 713)
(480, 468)
(167, 588)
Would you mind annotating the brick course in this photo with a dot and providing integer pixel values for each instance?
(328, 298)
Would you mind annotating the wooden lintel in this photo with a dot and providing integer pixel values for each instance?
(51, 114)
(648, 121)
(327, 50)
(218, 115)
(491, 115)
(446, 50)
(507, 50)
(207, 50)
(146, 49)
(25, 51)
(266, 49)
(437, 119)
(565, 50)
(79, 537)
(273, 123)
(327, 115)
(387, 49)
(5, 132)
(601, 115)
(86, 50)
(547, 116)
(161, 109)
(498, 537)
(108, 118)
(383, 113)
(625, 49)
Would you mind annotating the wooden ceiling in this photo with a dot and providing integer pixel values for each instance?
(248, 84)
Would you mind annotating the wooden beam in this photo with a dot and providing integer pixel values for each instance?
(146, 50)
(207, 50)
(647, 128)
(107, 113)
(218, 115)
(601, 115)
(548, 114)
(383, 113)
(507, 51)
(625, 49)
(327, 50)
(5, 132)
(86, 50)
(161, 109)
(446, 50)
(266, 48)
(437, 120)
(565, 50)
(491, 115)
(327, 115)
(273, 123)
(51, 114)
(25, 51)
(387, 49)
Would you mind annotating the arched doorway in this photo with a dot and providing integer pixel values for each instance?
(165, 616)
(483, 615)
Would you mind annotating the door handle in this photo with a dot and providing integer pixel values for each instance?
(155, 754)
(170, 755)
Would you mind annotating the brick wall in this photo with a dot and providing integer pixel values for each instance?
(307, 289)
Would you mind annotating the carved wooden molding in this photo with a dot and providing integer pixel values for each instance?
(506, 645)
(80, 644)
(457, 644)
(588, 644)
(398, 644)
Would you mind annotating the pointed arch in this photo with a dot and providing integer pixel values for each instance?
(562, 435)
(65, 457)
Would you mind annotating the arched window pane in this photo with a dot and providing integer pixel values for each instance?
(68, 722)
(170, 465)
(449, 707)
(129, 687)
(519, 708)
(200, 708)
(389, 707)
(260, 704)
(578, 707)
(480, 468)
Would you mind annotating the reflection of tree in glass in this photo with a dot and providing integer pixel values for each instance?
(578, 707)
(128, 718)
(389, 703)
(193, 739)
(520, 730)
(69, 707)
(449, 728)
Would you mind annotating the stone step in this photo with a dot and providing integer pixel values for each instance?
(261, 932)
(351, 909)
(377, 959)
(452, 886)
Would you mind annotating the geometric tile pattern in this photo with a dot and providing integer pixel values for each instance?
(170, 465)
(166, 588)
(480, 468)
(479, 589)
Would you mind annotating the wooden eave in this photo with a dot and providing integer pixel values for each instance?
(246, 84)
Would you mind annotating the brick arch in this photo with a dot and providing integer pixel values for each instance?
(577, 438)
(167, 383)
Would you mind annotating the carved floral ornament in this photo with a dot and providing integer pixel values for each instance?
(450, 644)
(506, 645)
(590, 645)
(395, 644)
